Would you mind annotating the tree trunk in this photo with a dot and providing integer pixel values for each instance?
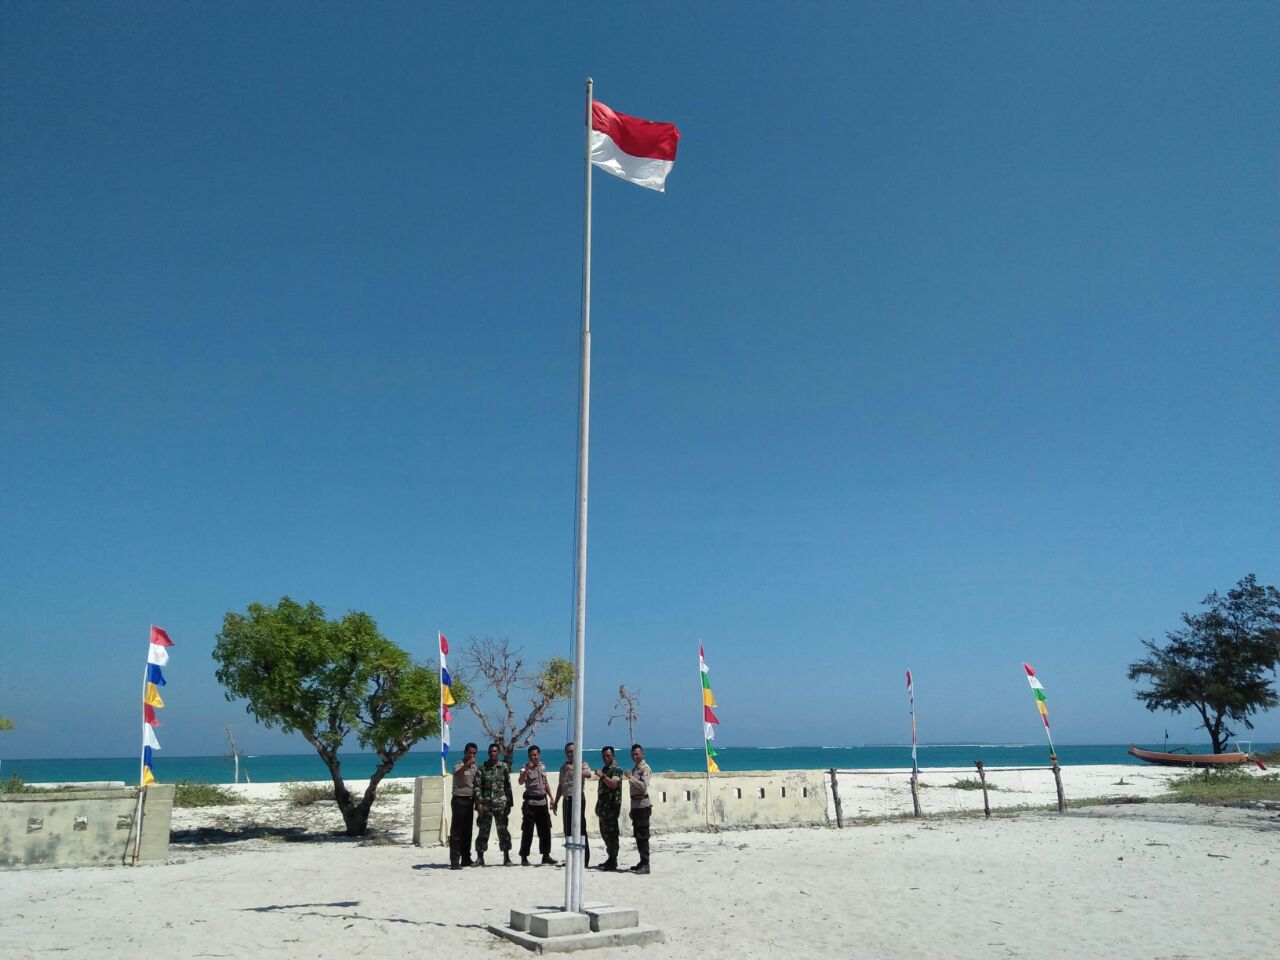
(354, 816)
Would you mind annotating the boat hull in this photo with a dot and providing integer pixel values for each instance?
(1190, 759)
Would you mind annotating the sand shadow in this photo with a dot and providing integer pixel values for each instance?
(212, 835)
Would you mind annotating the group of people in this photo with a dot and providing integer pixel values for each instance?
(482, 794)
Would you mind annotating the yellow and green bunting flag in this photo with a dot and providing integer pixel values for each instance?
(709, 719)
(1042, 704)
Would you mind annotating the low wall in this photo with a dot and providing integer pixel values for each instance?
(75, 828)
(739, 800)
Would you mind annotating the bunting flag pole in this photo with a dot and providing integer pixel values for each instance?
(911, 698)
(446, 718)
(1042, 705)
(158, 644)
(709, 722)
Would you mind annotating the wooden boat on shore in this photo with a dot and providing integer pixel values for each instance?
(1192, 759)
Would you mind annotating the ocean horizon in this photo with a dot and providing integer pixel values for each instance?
(278, 768)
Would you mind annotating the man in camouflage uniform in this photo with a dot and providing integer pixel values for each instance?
(493, 802)
(609, 805)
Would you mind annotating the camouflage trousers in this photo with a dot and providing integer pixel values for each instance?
(486, 816)
(609, 833)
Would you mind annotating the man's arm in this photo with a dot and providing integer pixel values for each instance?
(506, 789)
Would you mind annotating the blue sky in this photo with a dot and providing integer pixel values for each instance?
(952, 344)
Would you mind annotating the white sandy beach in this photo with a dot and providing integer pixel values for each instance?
(1123, 881)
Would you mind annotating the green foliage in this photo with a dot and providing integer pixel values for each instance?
(394, 790)
(1218, 663)
(6, 723)
(15, 784)
(329, 680)
(554, 679)
(972, 783)
(305, 794)
(1232, 785)
(198, 793)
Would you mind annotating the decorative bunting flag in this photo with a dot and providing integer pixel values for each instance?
(157, 657)
(911, 698)
(446, 701)
(1041, 704)
(709, 719)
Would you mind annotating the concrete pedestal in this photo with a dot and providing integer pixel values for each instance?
(544, 930)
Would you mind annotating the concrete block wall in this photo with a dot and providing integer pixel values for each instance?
(428, 793)
(75, 828)
(739, 799)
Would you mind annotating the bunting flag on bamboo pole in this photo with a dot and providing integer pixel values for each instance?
(446, 700)
(1041, 704)
(709, 720)
(153, 680)
(911, 698)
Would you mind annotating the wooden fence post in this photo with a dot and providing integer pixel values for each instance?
(835, 794)
(1057, 778)
(982, 775)
(915, 794)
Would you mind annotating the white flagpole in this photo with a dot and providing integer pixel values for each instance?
(574, 867)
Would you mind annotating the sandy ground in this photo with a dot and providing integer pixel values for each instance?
(1136, 880)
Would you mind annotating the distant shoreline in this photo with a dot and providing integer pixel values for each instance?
(287, 767)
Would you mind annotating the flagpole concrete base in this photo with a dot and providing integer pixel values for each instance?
(552, 930)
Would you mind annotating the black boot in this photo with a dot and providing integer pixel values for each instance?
(506, 858)
(609, 865)
(641, 869)
(524, 862)
(479, 858)
(549, 860)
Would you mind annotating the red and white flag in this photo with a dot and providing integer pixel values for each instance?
(640, 151)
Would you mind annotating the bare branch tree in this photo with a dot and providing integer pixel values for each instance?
(494, 667)
(629, 704)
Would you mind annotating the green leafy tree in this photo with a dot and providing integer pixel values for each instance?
(1217, 663)
(500, 674)
(327, 679)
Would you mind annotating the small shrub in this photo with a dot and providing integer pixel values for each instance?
(305, 794)
(972, 783)
(15, 784)
(1233, 785)
(189, 793)
(393, 790)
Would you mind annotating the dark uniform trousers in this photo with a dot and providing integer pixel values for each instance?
(462, 809)
(484, 818)
(640, 830)
(531, 817)
(566, 817)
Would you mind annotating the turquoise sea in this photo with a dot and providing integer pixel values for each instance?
(284, 767)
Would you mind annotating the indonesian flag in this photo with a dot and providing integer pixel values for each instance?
(640, 151)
